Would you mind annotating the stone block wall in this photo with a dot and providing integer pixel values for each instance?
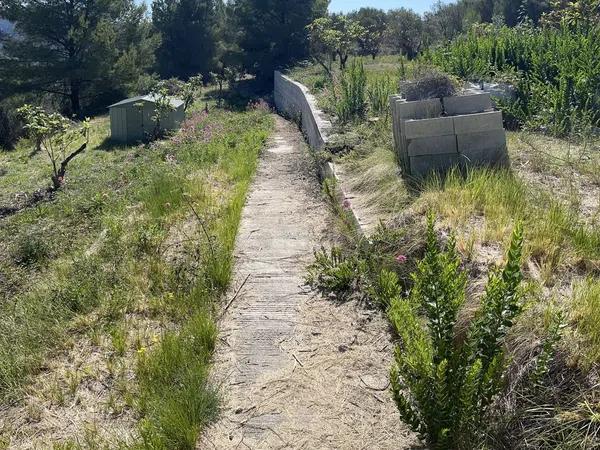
(293, 100)
(437, 134)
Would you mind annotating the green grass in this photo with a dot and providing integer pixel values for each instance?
(585, 315)
(99, 260)
(552, 190)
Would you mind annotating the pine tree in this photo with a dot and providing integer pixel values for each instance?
(272, 33)
(77, 50)
(189, 36)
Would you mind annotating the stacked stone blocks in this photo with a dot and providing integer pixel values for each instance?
(437, 134)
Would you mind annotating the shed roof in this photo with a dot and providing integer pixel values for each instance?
(175, 102)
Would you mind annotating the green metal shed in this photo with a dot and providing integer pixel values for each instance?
(131, 119)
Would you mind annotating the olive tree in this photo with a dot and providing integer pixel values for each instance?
(334, 36)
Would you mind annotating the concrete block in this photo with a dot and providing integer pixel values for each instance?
(476, 123)
(440, 126)
(421, 109)
(421, 166)
(467, 104)
(486, 148)
(433, 145)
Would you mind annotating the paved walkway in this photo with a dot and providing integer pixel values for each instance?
(297, 371)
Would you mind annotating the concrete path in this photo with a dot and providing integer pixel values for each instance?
(297, 371)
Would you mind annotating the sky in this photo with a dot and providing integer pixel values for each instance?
(419, 6)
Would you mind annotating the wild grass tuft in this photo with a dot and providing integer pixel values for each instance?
(585, 314)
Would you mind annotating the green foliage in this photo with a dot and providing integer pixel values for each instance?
(191, 90)
(56, 135)
(373, 21)
(585, 312)
(404, 33)
(335, 35)
(558, 69)
(162, 108)
(336, 273)
(189, 31)
(443, 387)
(175, 397)
(271, 33)
(379, 90)
(580, 13)
(351, 101)
(88, 50)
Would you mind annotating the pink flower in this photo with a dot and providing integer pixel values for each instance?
(346, 203)
(401, 259)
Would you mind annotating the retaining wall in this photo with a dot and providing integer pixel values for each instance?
(437, 134)
(294, 100)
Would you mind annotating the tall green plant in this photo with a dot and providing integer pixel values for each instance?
(351, 99)
(378, 91)
(558, 71)
(442, 386)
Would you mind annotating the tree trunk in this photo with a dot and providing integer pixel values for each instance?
(59, 175)
(343, 59)
(74, 96)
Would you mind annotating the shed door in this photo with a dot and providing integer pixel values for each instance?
(135, 123)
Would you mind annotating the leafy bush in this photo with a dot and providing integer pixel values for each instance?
(351, 99)
(335, 273)
(443, 387)
(559, 71)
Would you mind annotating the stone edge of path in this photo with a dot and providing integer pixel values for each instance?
(294, 101)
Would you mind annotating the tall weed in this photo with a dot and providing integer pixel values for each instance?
(351, 101)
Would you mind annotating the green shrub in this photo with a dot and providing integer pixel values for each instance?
(558, 71)
(442, 386)
(336, 273)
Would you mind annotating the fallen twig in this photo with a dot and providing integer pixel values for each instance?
(234, 297)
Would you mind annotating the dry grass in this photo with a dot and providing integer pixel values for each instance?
(121, 278)
(553, 189)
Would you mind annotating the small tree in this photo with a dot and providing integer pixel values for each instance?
(373, 20)
(224, 74)
(56, 135)
(334, 36)
(190, 90)
(162, 108)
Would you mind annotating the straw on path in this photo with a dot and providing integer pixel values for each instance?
(297, 371)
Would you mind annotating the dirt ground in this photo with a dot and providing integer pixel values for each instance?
(297, 370)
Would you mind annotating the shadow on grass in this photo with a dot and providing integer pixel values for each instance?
(109, 145)
(243, 92)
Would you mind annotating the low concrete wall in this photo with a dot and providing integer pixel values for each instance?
(437, 134)
(293, 100)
